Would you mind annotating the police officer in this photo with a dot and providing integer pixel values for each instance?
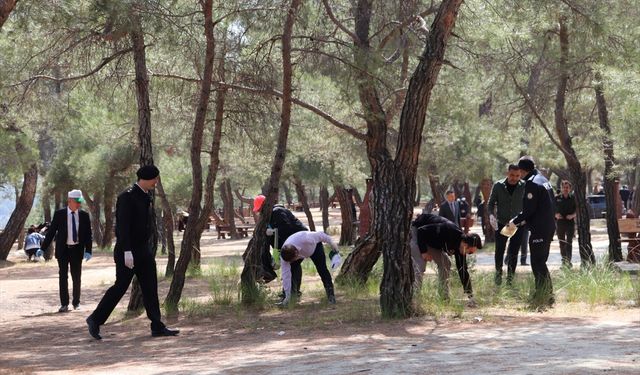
(133, 255)
(565, 221)
(538, 216)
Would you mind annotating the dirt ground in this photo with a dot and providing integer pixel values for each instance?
(34, 338)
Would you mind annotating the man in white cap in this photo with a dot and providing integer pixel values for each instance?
(71, 227)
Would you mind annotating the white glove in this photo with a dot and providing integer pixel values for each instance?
(335, 261)
(128, 259)
(493, 222)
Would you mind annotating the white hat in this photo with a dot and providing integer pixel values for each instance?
(77, 195)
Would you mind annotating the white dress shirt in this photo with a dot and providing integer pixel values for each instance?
(70, 228)
(305, 242)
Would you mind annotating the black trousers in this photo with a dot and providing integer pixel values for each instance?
(320, 261)
(71, 260)
(539, 255)
(144, 268)
(463, 272)
(565, 230)
(512, 251)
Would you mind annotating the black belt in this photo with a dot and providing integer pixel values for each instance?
(73, 246)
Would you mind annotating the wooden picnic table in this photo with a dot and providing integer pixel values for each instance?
(242, 229)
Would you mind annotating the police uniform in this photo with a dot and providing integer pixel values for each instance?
(133, 233)
(566, 227)
(538, 216)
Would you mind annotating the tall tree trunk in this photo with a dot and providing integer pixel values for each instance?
(394, 179)
(6, 7)
(19, 215)
(198, 216)
(434, 183)
(532, 84)
(228, 208)
(136, 35)
(46, 202)
(94, 207)
(610, 179)
(573, 163)
(324, 206)
(485, 190)
(288, 197)
(635, 200)
(347, 233)
(167, 221)
(109, 213)
(302, 198)
(252, 261)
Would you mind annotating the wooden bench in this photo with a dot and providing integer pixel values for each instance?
(224, 229)
(630, 227)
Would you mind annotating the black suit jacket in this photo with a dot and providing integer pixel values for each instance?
(445, 211)
(437, 232)
(133, 222)
(58, 229)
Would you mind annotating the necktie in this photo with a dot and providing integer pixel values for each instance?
(74, 230)
(453, 209)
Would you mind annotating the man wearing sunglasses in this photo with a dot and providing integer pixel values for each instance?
(71, 228)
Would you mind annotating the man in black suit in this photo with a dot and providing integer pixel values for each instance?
(133, 255)
(436, 238)
(450, 208)
(71, 227)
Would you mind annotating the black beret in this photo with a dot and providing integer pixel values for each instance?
(526, 164)
(148, 172)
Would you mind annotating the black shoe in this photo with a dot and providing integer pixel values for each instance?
(63, 308)
(94, 329)
(165, 332)
(332, 300)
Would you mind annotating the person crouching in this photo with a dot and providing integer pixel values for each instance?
(299, 246)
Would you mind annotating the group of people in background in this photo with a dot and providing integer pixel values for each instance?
(521, 205)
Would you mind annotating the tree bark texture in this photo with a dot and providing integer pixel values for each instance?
(485, 190)
(365, 211)
(347, 233)
(198, 216)
(6, 7)
(324, 206)
(167, 221)
(302, 198)
(227, 201)
(94, 206)
(610, 179)
(573, 164)
(252, 260)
